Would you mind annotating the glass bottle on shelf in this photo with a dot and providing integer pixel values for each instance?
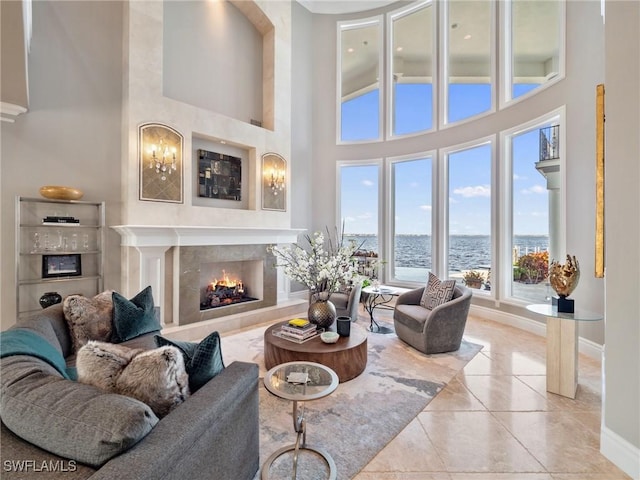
(36, 243)
(85, 241)
(74, 242)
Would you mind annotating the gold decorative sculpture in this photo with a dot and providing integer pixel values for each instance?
(564, 279)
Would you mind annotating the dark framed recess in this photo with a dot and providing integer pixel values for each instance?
(68, 265)
(219, 176)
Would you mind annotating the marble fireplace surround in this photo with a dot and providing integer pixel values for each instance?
(192, 261)
(168, 258)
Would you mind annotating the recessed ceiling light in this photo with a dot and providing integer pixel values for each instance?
(350, 50)
(399, 49)
(222, 142)
(467, 36)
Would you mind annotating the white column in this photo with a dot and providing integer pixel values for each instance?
(152, 272)
(283, 286)
(550, 170)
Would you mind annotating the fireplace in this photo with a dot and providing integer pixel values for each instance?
(171, 258)
(200, 266)
(227, 283)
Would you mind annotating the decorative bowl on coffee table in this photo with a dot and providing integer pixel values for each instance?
(329, 337)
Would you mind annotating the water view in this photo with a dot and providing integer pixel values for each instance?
(465, 251)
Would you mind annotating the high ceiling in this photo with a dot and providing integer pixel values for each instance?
(535, 42)
(342, 6)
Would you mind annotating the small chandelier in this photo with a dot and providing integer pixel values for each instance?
(163, 159)
(277, 181)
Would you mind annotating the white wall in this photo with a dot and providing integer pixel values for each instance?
(585, 54)
(621, 410)
(82, 127)
(71, 133)
(146, 102)
(302, 131)
(222, 71)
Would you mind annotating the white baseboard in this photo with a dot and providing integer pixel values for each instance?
(622, 453)
(585, 346)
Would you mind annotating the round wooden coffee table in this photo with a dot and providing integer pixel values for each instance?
(347, 357)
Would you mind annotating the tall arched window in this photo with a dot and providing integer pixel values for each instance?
(360, 72)
(413, 69)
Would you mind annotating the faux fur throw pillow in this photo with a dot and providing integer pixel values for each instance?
(156, 377)
(100, 364)
(89, 318)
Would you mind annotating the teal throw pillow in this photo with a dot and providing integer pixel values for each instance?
(135, 317)
(203, 360)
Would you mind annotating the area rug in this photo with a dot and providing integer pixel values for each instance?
(362, 416)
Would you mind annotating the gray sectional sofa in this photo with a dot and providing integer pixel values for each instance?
(214, 434)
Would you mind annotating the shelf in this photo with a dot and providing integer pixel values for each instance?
(32, 230)
(56, 225)
(60, 252)
(78, 278)
(28, 313)
(52, 200)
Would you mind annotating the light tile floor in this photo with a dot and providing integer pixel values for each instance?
(496, 421)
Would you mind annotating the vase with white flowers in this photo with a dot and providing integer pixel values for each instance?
(323, 266)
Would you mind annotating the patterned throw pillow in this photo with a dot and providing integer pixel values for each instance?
(437, 292)
(88, 318)
(135, 317)
(203, 360)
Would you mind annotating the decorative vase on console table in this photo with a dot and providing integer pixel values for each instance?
(564, 279)
(50, 298)
(321, 311)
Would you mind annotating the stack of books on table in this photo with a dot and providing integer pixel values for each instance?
(298, 330)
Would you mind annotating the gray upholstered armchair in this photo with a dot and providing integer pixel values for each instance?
(347, 304)
(432, 331)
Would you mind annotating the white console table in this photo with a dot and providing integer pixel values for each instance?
(562, 347)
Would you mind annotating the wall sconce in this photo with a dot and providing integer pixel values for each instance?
(160, 163)
(163, 159)
(276, 180)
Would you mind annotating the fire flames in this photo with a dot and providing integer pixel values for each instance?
(224, 291)
(226, 282)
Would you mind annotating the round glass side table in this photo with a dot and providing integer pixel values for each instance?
(562, 346)
(300, 382)
(379, 297)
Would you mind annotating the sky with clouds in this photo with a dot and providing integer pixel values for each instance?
(469, 187)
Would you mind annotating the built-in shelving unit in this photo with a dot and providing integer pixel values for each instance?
(63, 254)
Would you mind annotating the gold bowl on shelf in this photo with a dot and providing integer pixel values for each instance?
(55, 192)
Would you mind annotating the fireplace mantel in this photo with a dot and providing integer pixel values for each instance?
(149, 265)
(171, 235)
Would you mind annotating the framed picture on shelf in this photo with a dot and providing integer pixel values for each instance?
(69, 265)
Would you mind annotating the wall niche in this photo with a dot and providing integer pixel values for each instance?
(217, 61)
(222, 174)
